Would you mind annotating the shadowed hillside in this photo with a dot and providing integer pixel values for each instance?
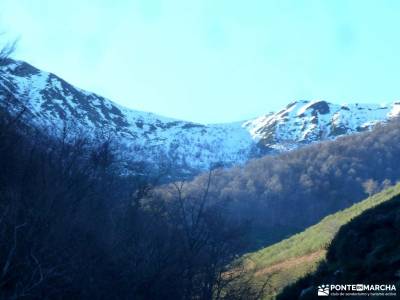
(73, 228)
(285, 262)
(365, 250)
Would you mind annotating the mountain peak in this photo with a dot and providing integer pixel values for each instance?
(51, 102)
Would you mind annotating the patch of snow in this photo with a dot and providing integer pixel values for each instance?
(200, 146)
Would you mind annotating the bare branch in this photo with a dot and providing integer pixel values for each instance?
(7, 50)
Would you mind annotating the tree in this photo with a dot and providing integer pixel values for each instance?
(6, 51)
(371, 187)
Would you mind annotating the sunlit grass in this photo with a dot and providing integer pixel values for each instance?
(285, 262)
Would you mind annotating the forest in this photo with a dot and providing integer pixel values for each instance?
(283, 194)
(73, 228)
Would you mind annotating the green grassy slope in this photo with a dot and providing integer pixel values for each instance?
(285, 262)
(365, 250)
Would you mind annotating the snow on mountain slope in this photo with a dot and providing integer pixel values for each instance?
(304, 122)
(51, 102)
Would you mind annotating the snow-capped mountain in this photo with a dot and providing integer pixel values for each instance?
(50, 102)
(304, 122)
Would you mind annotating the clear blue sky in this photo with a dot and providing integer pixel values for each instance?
(214, 60)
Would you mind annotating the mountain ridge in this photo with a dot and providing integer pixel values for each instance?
(52, 103)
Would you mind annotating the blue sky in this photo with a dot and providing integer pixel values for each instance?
(213, 60)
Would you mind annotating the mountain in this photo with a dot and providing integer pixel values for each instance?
(304, 122)
(51, 102)
(281, 195)
(291, 259)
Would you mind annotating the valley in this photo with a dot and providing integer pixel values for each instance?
(248, 209)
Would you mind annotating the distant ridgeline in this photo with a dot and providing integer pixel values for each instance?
(185, 148)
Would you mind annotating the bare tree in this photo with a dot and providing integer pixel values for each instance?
(7, 50)
(210, 242)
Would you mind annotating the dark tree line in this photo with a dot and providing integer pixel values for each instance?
(72, 228)
(285, 193)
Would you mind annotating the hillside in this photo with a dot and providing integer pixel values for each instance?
(51, 102)
(364, 251)
(284, 194)
(73, 228)
(289, 260)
